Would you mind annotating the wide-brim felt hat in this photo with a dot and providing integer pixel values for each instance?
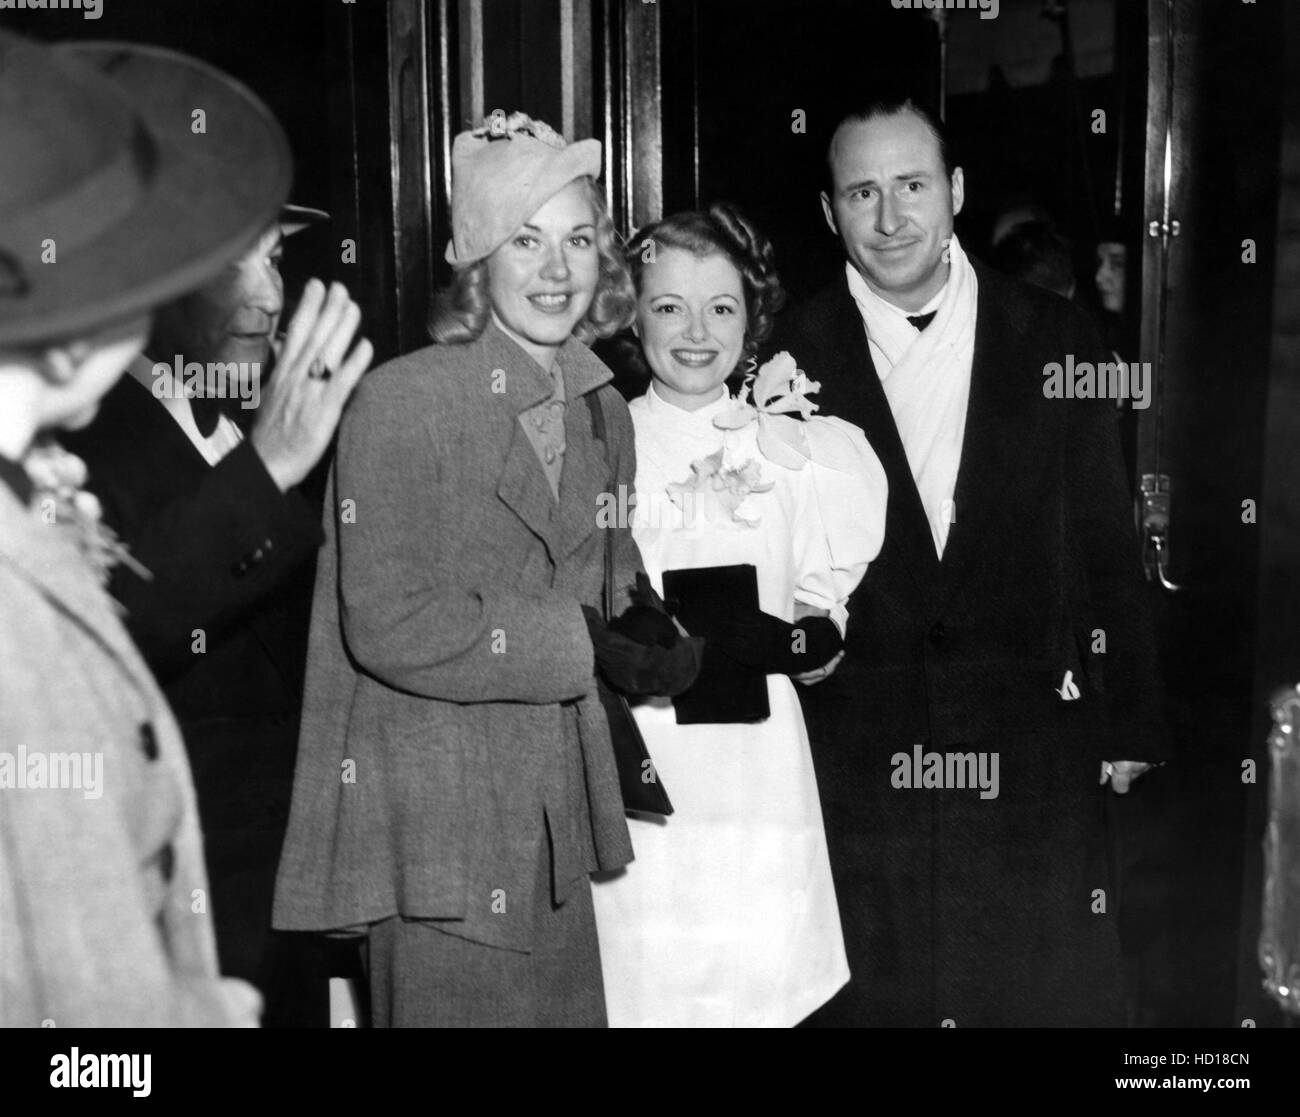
(137, 172)
(504, 172)
(294, 219)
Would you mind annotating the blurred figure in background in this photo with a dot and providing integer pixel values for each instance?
(1112, 265)
(1036, 253)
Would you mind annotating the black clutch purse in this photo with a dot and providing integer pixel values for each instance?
(725, 692)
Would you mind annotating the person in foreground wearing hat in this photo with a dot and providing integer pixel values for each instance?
(456, 783)
(105, 912)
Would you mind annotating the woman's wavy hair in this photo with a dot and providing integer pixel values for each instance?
(461, 310)
(720, 230)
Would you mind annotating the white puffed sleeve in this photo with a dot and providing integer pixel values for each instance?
(844, 515)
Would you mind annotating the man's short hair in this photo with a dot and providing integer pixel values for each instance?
(885, 107)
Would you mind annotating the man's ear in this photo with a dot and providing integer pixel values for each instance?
(829, 213)
(59, 364)
(958, 190)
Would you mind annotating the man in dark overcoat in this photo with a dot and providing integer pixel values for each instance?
(999, 679)
(217, 519)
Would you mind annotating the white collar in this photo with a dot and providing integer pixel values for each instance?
(863, 294)
(886, 325)
(657, 405)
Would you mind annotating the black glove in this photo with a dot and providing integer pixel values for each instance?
(641, 652)
(646, 625)
(775, 647)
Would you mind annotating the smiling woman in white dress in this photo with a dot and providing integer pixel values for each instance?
(727, 916)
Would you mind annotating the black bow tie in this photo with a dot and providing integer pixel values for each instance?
(920, 321)
(207, 413)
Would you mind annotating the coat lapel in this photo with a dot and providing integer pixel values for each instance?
(40, 553)
(525, 491)
(906, 526)
(565, 525)
(997, 405)
(587, 471)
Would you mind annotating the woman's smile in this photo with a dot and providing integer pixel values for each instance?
(551, 302)
(695, 358)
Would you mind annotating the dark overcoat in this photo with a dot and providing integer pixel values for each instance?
(223, 625)
(984, 911)
(450, 718)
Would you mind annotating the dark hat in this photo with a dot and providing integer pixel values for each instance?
(131, 175)
(294, 219)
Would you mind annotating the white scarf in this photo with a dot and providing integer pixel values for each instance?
(928, 388)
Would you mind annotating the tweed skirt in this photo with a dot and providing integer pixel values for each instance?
(424, 976)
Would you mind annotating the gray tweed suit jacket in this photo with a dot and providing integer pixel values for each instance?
(450, 720)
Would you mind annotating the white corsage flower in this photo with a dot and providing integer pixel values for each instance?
(718, 491)
(777, 389)
(59, 499)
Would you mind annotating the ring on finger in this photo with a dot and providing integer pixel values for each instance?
(317, 370)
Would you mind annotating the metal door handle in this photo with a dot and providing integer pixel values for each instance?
(1155, 529)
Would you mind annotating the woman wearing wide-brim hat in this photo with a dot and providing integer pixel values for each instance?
(455, 781)
(105, 917)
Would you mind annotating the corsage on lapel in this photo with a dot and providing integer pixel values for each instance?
(718, 491)
(777, 389)
(59, 498)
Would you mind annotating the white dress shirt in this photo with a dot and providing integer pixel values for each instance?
(224, 438)
(893, 332)
(930, 401)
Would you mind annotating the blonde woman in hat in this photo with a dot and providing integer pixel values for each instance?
(455, 781)
(105, 913)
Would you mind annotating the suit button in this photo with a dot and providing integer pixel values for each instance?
(149, 741)
(937, 632)
(240, 568)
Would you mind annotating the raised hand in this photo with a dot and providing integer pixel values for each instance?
(317, 368)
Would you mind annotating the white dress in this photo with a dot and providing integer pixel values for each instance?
(727, 917)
